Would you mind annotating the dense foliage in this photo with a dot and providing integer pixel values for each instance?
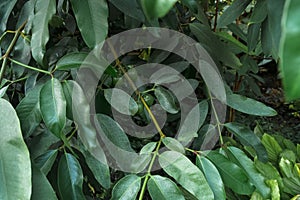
(62, 138)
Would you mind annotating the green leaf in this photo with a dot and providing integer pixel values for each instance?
(15, 167)
(6, 7)
(247, 165)
(275, 191)
(249, 106)
(45, 161)
(212, 176)
(232, 175)
(29, 111)
(248, 138)
(91, 18)
(163, 188)
(53, 106)
(289, 61)
(272, 147)
(126, 188)
(3, 91)
(148, 148)
(121, 101)
(166, 99)
(71, 60)
(99, 169)
(253, 36)
(130, 8)
(232, 12)
(69, 178)
(185, 173)
(259, 13)
(157, 8)
(45, 9)
(232, 40)
(173, 144)
(41, 187)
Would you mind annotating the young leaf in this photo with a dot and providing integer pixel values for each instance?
(185, 173)
(163, 188)
(238, 156)
(29, 111)
(91, 18)
(173, 144)
(121, 101)
(249, 106)
(41, 187)
(126, 188)
(248, 138)
(71, 60)
(233, 12)
(166, 100)
(15, 170)
(53, 106)
(69, 178)
(157, 8)
(233, 176)
(272, 147)
(212, 176)
(40, 32)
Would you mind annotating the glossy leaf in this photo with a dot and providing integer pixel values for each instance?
(91, 18)
(41, 187)
(212, 176)
(166, 99)
(3, 91)
(29, 111)
(121, 101)
(232, 175)
(148, 148)
(45, 161)
(15, 167)
(53, 106)
(289, 61)
(99, 169)
(186, 174)
(249, 106)
(232, 12)
(71, 60)
(126, 188)
(6, 7)
(163, 188)
(157, 8)
(45, 9)
(173, 144)
(130, 8)
(248, 166)
(70, 178)
(248, 138)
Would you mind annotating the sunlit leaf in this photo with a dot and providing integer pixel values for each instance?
(126, 188)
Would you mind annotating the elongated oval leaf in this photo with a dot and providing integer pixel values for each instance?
(212, 176)
(233, 176)
(15, 170)
(40, 32)
(70, 61)
(130, 8)
(233, 12)
(29, 111)
(249, 106)
(173, 144)
(289, 61)
(121, 101)
(166, 99)
(70, 178)
(157, 8)
(45, 161)
(272, 147)
(6, 7)
(259, 12)
(186, 174)
(163, 188)
(248, 137)
(91, 17)
(53, 106)
(41, 187)
(248, 166)
(126, 188)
